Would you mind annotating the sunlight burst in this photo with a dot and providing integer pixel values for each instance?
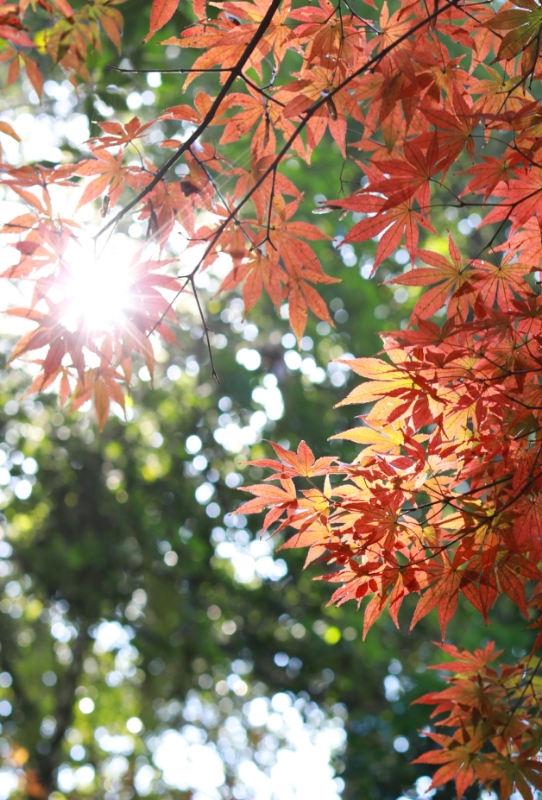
(97, 291)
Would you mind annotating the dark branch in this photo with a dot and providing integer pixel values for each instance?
(235, 73)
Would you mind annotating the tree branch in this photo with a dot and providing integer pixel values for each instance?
(48, 763)
(235, 73)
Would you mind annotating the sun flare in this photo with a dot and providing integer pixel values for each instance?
(97, 290)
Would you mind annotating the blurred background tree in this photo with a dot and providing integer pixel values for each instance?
(152, 645)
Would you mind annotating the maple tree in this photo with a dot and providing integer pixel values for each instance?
(444, 499)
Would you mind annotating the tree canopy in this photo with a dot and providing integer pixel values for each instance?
(416, 130)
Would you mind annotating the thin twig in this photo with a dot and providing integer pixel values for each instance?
(283, 151)
(206, 331)
(208, 118)
(180, 70)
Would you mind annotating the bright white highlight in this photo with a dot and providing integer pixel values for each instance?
(8, 782)
(287, 757)
(189, 765)
(401, 744)
(111, 636)
(251, 560)
(86, 705)
(423, 792)
(97, 290)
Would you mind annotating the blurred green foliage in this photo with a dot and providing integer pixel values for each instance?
(120, 587)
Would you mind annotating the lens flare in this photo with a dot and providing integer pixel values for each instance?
(97, 291)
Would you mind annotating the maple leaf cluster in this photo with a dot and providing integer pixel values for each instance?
(496, 716)
(444, 499)
(67, 37)
(44, 240)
